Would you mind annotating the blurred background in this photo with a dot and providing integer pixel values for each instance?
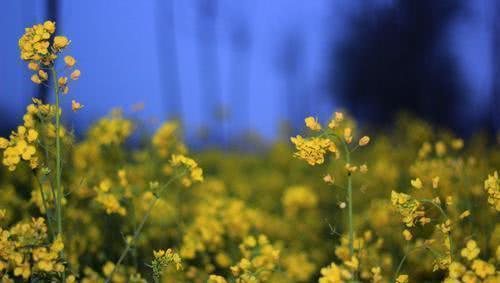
(228, 68)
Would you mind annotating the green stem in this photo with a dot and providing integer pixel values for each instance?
(347, 153)
(443, 213)
(58, 164)
(349, 199)
(399, 267)
(139, 228)
(45, 207)
(58, 154)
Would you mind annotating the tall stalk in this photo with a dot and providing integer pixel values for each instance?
(59, 191)
(58, 155)
(131, 242)
(347, 154)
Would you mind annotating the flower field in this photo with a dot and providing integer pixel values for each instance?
(333, 203)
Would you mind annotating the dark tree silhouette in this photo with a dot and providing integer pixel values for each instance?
(239, 80)
(289, 59)
(167, 52)
(394, 57)
(494, 115)
(209, 69)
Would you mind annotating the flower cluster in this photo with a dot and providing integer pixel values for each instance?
(35, 46)
(472, 269)
(20, 146)
(313, 150)
(297, 198)
(25, 252)
(112, 130)
(335, 274)
(410, 209)
(492, 188)
(107, 199)
(162, 259)
(165, 140)
(259, 260)
(195, 172)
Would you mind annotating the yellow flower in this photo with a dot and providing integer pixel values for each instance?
(60, 42)
(440, 148)
(312, 123)
(435, 182)
(216, 279)
(363, 168)
(36, 79)
(332, 124)
(75, 75)
(403, 278)
(464, 214)
(471, 251)
(329, 179)
(351, 168)
(33, 66)
(32, 135)
(492, 188)
(312, 150)
(49, 26)
(364, 141)
(75, 106)
(70, 61)
(62, 81)
(348, 135)
(457, 144)
(482, 268)
(339, 116)
(334, 274)
(353, 263)
(417, 183)
(407, 235)
(456, 270)
(43, 75)
(4, 143)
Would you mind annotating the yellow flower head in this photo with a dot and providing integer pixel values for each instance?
(312, 123)
(417, 183)
(70, 61)
(60, 42)
(75, 106)
(364, 141)
(75, 75)
(471, 251)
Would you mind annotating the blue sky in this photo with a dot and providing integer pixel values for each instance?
(117, 48)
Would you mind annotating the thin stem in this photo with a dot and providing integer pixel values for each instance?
(141, 225)
(58, 163)
(443, 213)
(399, 267)
(58, 154)
(347, 153)
(45, 207)
(349, 199)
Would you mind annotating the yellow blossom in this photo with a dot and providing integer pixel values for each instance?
(471, 251)
(75, 106)
(364, 141)
(33, 66)
(403, 278)
(75, 75)
(70, 61)
(312, 123)
(36, 79)
(60, 42)
(407, 235)
(417, 183)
